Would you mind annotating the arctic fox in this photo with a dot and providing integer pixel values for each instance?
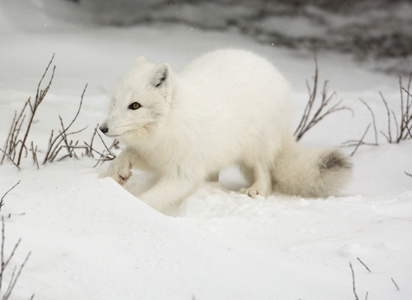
(226, 107)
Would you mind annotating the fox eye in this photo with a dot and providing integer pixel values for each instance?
(134, 106)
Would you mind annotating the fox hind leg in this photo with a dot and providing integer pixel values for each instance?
(260, 176)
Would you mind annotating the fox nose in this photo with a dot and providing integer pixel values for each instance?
(103, 128)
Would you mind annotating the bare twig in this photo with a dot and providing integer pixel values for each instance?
(34, 152)
(353, 281)
(408, 174)
(406, 113)
(361, 140)
(5, 262)
(90, 148)
(407, 92)
(102, 155)
(6, 146)
(99, 160)
(408, 131)
(310, 119)
(389, 136)
(373, 120)
(12, 141)
(2, 198)
(8, 156)
(358, 143)
(404, 128)
(16, 146)
(309, 105)
(107, 148)
(395, 284)
(54, 144)
(364, 265)
(14, 280)
(396, 126)
(39, 98)
(89, 151)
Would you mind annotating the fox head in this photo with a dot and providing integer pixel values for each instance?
(140, 101)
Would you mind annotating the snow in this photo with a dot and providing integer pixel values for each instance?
(92, 239)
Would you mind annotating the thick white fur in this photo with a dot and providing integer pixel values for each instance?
(227, 107)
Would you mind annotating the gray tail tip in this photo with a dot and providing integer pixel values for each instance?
(335, 160)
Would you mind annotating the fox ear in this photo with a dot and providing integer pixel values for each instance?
(161, 75)
(139, 60)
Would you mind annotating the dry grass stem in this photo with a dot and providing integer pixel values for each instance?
(404, 127)
(395, 284)
(353, 282)
(15, 145)
(5, 194)
(360, 142)
(34, 153)
(40, 95)
(373, 120)
(4, 263)
(364, 265)
(55, 144)
(388, 136)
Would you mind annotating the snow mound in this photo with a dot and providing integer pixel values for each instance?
(93, 239)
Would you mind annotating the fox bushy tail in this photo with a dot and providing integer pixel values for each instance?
(309, 171)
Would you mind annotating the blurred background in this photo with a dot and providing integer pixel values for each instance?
(375, 31)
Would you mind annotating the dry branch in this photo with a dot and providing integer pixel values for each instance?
(364, 265)
(406, 109)
(114, 144)
(34, 153)
(360, 142)
(373, 120)
(353, 282)
(9, 137)
(8, 156)
(310, 116)
(12, 141)
(55, 144)
(33, 107)
(60, 146)
(404, 127)
(5, 194)
(395, 284)
(15, 144)
(89, 150)
(4, 263)
(389, 134)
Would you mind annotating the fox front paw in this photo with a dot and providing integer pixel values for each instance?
(255, 191)
(252, 192)
(120, 173)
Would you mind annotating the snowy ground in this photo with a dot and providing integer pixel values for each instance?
(92, 239)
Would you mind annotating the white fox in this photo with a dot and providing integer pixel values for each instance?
(227, 107)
